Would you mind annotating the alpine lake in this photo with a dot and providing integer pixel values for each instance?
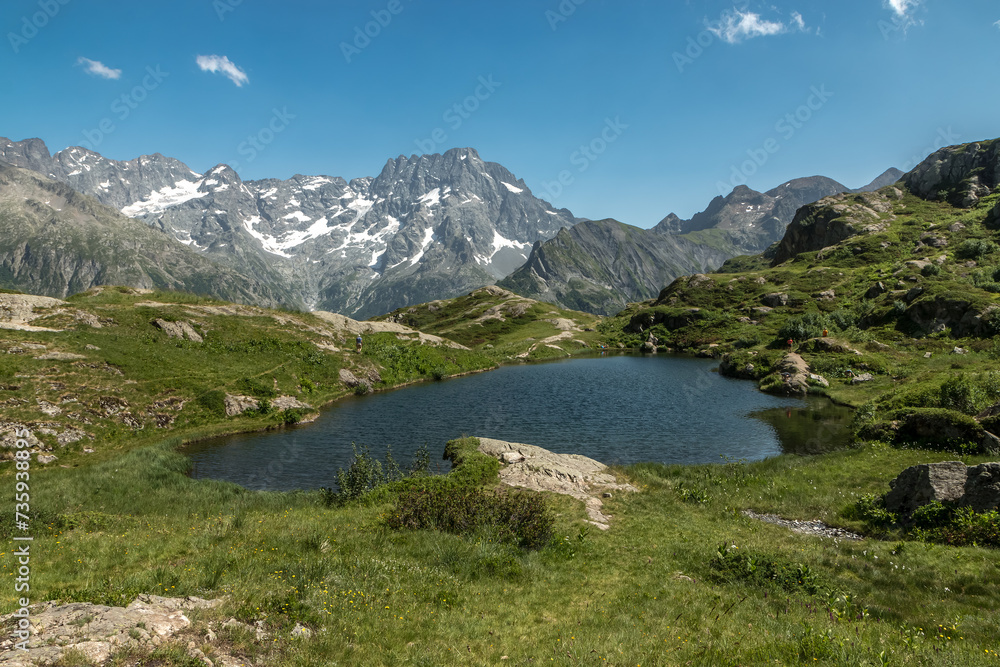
(616, 408)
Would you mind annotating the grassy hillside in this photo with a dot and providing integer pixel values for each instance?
(504, 325)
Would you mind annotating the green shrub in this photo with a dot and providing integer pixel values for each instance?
(975, 248)
(255, 387)
(802, 327)
(366, 474)
(970, 394)
(957, 527)
(292, 416)
(734, 564)
(214, 401)
(516, 518)
(870, 508)
(930, 270)
(933, 515)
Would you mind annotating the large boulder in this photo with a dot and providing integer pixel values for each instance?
(977, 487)
(922, 484)
(982, 487)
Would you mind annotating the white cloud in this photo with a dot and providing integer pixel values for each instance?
(902, 7)
(736, 26)
(226, 66)
(997, 24)
(798, 21)
(98, 68)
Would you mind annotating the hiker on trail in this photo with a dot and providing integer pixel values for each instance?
(790, 343)
(357, 342)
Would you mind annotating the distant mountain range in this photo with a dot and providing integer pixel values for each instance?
(601, 266)
(56, 241)
(427, 227)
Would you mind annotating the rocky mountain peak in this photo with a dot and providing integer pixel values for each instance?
(960, 174)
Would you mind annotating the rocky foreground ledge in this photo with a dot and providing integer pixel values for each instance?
(531, 467)
(63, 633)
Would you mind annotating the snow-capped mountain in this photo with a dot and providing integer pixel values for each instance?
(427, 227)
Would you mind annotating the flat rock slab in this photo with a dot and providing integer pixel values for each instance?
(97, 630)
(538, 469)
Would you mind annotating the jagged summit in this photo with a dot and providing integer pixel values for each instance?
(426, 227)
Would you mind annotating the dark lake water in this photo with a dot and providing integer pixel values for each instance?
(616, 409)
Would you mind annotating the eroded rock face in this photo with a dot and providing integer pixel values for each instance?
(835, 219)
(178, 330)
(965, 173)
(538, 469)
(922, 484)
(977, 487)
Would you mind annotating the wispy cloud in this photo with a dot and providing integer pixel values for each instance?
(736, 26)
(226, 66)
(902, 8)
(98, 68)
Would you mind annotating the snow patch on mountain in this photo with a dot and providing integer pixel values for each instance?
(162, 199)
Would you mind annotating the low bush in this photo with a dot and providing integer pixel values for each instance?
(255, 387)
(514, 518)
(975, 248)
(870, 509)
(803, 327)
(366, 473)
(733, 564)
(214, 401)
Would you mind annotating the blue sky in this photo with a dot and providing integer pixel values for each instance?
(629, 109)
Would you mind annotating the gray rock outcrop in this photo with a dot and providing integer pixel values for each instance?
(180, 330)
(977, 487)
(538, 469)
(963, 174)
(96, 630)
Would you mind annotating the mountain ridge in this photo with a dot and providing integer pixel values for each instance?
(426, 227)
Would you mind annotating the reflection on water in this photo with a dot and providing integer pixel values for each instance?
(815, 427)
(617, 409)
